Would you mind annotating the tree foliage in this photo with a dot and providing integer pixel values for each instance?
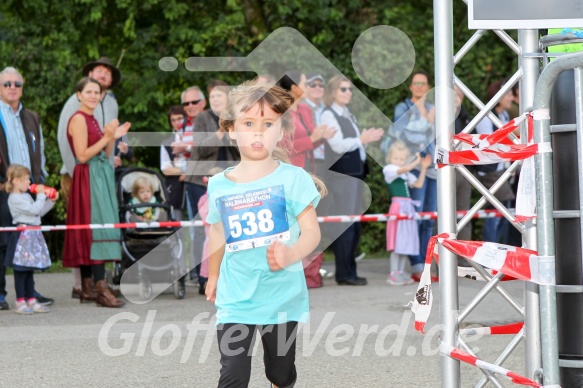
(49, 42)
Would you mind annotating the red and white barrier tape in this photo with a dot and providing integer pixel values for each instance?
(471, 273)
(511, 328)
(459, 354)
(492, 148)
(493, 213)
(497, 147)
(520, 263)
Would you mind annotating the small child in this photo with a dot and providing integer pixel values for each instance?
(262, 223)
(27, 250)
(402, 235)
(143, 193)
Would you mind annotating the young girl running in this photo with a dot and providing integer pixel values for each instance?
(402, 235)
(27, 250)
(263, 222)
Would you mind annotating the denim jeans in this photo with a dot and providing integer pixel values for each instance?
(427, 197)
(194, 193)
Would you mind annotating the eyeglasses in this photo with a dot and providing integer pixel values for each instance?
(419, 83)
(316, 85)
(177, 120)
(195, 102)
(8, 84)
(345, 89)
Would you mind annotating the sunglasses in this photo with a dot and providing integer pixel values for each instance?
(316, 85)
(345, 89)
(195, 102)
(8, 84)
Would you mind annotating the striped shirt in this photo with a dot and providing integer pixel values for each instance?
(16, 138)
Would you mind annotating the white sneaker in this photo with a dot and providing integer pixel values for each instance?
(396, 279)
(22, 308)
(37, 307)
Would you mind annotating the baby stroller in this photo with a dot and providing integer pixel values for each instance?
(154, 254)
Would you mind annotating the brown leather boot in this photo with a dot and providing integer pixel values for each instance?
(115, 292)
(105, 297)
(76, 293)
(87, 293)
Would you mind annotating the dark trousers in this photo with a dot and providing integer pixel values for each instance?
(279, 353)
(346, 198)
(24, 284)
(344, 249)
(194, 193)
(5, 220)
(97, 271)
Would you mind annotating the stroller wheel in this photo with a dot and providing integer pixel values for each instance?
(179, 288)
(145, 287)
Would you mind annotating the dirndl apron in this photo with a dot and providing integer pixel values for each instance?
(106, 244)
(403, 235)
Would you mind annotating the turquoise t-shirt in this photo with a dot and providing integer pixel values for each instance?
(253, 215)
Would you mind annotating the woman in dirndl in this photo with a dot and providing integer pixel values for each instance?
(92, 198)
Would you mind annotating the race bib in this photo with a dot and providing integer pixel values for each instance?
(254, 219)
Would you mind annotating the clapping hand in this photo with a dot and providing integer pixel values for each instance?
(371, 135)
(179, 148)
(113, 130)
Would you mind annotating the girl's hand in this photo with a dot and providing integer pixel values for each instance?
(40, 189)
(426, 161)
(56, 197)
(417, 158)
(278, 256)
(211, 289)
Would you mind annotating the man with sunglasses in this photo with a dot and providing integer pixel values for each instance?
(21, 142)
(193, 102)
(108, 77)
(314, 93)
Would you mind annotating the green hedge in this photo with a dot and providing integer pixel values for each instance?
(50, 41)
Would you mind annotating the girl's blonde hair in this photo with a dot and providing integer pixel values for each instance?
(397, 146)
(15, 171)
(249, 93)
(139, 183)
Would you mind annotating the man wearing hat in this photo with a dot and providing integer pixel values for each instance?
(108, 76)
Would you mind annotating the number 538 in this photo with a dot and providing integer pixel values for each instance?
(262, 222)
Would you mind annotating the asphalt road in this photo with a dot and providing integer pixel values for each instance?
(357, 336)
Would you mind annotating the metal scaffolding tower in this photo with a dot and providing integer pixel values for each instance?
(539, 309)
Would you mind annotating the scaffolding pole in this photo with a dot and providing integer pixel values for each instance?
(530, 66)
(444, 124)
(545, 220)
